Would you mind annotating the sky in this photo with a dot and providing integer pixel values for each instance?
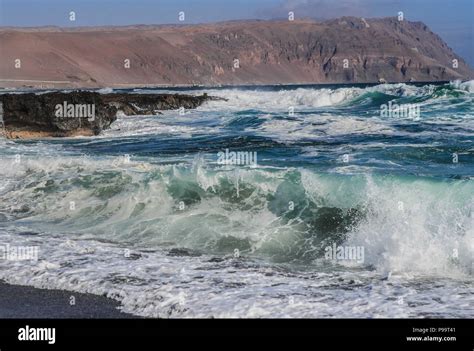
(451, 19)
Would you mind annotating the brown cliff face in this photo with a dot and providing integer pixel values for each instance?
(268, 52)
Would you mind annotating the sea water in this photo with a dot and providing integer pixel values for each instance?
(343, 211)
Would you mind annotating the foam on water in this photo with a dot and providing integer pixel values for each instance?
(159, 284)
(182, 215)
(405, 224)
(325, 97)
(317, 126)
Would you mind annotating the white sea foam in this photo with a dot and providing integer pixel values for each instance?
(466, 86)
(277, 100)
(309, 121)
(309, 97)
(317, 126)
(154, 284)
(123, 202)
(105, 91)
(417, 232)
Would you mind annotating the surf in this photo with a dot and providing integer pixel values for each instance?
(404, 223)
(344, 211)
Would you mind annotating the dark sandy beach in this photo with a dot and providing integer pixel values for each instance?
(27, 302)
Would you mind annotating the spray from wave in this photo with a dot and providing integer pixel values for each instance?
(242, 241)
(345, 96)
(404, 224)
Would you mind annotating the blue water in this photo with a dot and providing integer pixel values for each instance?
(239, 239)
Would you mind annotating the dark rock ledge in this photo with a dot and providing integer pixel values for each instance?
(59, 114)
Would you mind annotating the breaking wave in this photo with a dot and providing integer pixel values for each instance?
(243, 241)
(309, 98)
(285, 215)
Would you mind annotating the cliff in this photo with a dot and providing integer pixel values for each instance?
(342, 50)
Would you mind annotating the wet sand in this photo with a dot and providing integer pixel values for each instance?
(27, 302)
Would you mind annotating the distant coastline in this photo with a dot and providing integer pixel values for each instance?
(346, 50)
(190, 87)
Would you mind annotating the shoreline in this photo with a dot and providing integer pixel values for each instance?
(187, 87)
(22, 301)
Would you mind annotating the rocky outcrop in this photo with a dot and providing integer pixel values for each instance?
(59, 114)
(344, 50)
(152, 104)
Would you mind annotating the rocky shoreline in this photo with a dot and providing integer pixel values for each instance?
(81, 113)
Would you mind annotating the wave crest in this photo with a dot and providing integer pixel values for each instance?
(285, 215)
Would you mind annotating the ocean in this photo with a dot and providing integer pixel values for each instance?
(296, 201)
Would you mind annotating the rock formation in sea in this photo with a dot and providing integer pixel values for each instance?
(65, 114)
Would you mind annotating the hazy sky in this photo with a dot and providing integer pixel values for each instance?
(451, 19)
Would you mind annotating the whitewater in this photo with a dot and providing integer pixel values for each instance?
(147, 214)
